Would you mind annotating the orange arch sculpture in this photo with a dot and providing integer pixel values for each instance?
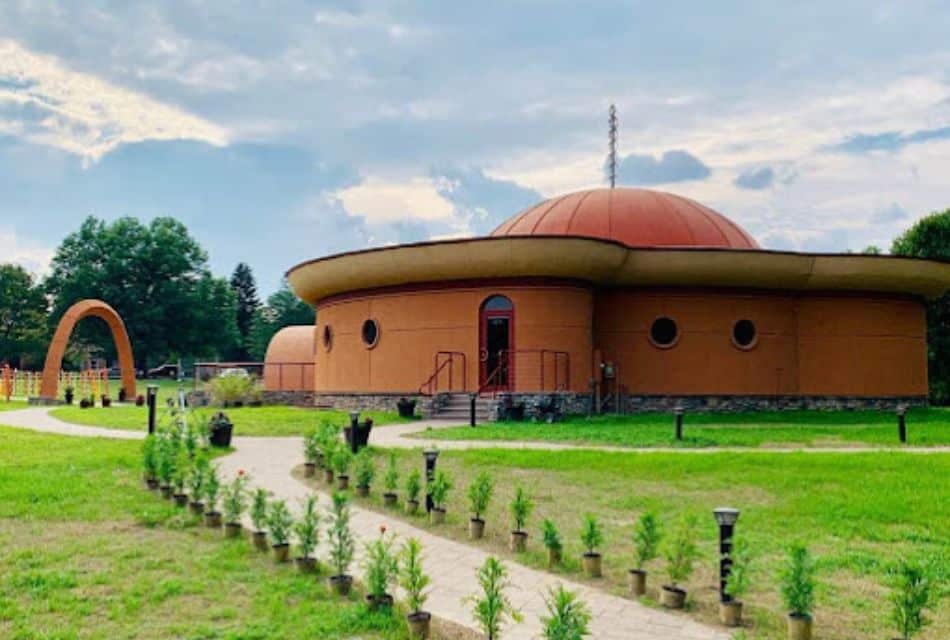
(57, 348)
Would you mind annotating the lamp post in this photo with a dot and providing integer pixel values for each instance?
(902, 423)
(471, 409)
(431, 457)
(726, 519)
(151, 394)
(678, 419)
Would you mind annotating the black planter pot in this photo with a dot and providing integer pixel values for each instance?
(122, 395)
(358, 437)
(406, 408)
(375, 603)
(69, 396)
(221, 430)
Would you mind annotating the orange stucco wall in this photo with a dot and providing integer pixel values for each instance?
(807, 345)
(415, 325)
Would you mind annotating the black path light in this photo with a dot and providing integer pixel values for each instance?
(902, 423)
(431, 457)
(678, 419)
(726, 518)
(151, 395)
(471, 409)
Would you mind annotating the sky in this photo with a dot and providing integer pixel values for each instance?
(283, 131)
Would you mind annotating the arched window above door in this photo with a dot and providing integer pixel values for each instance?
(497, 303)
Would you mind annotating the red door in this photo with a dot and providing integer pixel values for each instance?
(496, 343)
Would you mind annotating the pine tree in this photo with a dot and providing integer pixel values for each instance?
(242, 281)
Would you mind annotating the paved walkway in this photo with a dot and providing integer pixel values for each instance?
(451, 565)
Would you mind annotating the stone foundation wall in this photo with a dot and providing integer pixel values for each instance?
(735, 404)
(292, 398)
(570, 403)
(366, 401)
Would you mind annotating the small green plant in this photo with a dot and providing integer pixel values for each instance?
(228, 390)
(279, 522)
(150, 457)
(234, 498)
(681, 551)
(592, 536)
(391, 478)
(412, 578)
(166, 457)
(912, 593)
(364, 469)
(567, 617)
(413, 485)
(550, 536)
(197, 473)
(312, 447)
(307, 528)
(380, 565)
(340, 536)
(797, 581)
(521, 508)
(737, 584)
(180, 472)
(212, 486)
(341, 460)
(329, 437)
(259, 509)
(492, 607)
(439, 490)
(646, 539)
(479, 494)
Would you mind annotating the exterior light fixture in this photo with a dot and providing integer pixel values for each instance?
(726, 518)
(678, 419)
(431, 457)
(151, 394)
(471, 410)
(902, 422)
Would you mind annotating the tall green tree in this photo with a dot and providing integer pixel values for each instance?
(245, 290)
(23, 308)
(283, 309)
(156, 277)
(930, 238)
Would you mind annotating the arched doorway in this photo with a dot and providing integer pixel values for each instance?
(495, 343)
(57, 348)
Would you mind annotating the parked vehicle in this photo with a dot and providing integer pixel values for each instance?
(166, 370)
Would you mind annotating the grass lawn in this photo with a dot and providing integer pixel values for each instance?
(12, 405)
(925, 427)
(271, 420)
(857, 512)
(88, 554)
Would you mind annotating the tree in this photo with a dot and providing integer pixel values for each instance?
(245, 290)
(23, 307)
(283, 309)
(157, 279)
(930, 238)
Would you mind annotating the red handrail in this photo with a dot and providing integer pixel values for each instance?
(506, 360)
(431, 385)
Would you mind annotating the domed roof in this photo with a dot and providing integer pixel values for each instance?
(634, 217)
(291, 344)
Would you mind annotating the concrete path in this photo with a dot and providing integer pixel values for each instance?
(451, 565)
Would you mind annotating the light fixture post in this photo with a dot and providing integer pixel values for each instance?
(431, 457)
(726, 518)
(902, 423)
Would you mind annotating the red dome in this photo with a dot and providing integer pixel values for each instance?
(634, 217)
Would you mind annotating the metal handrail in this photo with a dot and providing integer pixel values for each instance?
(506, 361)
(426, 388)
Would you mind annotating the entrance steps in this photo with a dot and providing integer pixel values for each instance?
(456, 407)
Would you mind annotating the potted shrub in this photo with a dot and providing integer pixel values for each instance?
(680, 553)
(212, 486)
(259, 519)
(150, 461)
(381, 571)
(521, 507)
(106, 401)
(221, 430)
(551, 538)
(413, 581)
(341, 465)
(234, 502)
(730, 612)
(492, 607)
(329, 451)
(68, 395)
(122, 395)
(913, 591)
(567, 617)
(364, 471)
(413, 489)
(167, 452)
(196, 481)
(479, 495)
(341, 545)
(592, 537)
(391, 482)
(85, 403)
(798, 591)
(140, 400)
(279, 522)
(646, 542)
(307, 530)
(311, 452)
(180, 478)
(406, 407)
(439, 492)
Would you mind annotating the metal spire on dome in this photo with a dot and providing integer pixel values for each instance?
(612, 146)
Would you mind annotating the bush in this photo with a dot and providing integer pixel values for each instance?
(312, 447)
(150, 457)
(479, 494)
(913, 592)
(550, 536)
(592, 536)
(279, 522)
(413, 485)
(234, 498)
(411, 576)
(681, 552)
(196, 476)
(340, 460)
(798, 581)
(492, 608)
(340, 536)
(737, 584)
(521, 508)
(391, 479)
(567, 618)
(381, 566)
(365, 471)
(259, 509)
(212, 486)
(307, 528)
(440, 489)
(228, 390)
(646, 539)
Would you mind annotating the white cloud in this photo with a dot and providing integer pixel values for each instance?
(379, 200)
(30, 256)
(47, 103)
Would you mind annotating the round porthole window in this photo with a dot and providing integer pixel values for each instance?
(664, 333)
(327, 337)
(744, 334)
(370, 333)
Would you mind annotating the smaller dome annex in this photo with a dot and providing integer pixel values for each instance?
(289, 362)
